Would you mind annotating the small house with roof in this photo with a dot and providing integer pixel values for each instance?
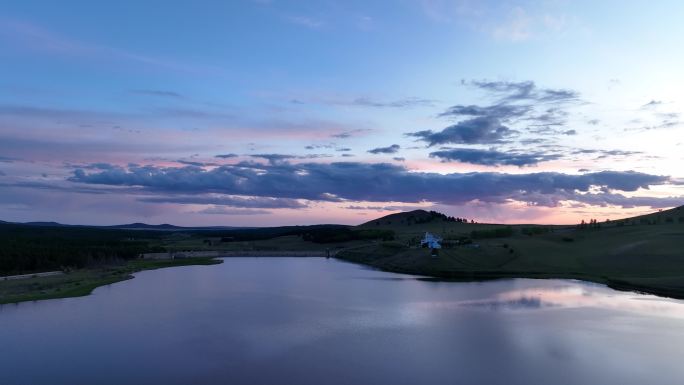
(431, 241)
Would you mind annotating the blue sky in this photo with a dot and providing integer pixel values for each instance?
(338, 111)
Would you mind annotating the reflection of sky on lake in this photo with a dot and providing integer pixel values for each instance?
(313, 321)
(584, 295)
(513, 303)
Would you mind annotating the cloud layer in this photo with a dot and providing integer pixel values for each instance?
(483, 129)
(232, 201)
(375, 182)
(492, 157)
(393, 149)
(516, 104)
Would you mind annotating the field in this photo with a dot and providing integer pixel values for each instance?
(643, 253)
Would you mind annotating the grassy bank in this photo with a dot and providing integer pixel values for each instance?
(645, 258)
(84, 281)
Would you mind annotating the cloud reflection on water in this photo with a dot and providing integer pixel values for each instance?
(564, 294)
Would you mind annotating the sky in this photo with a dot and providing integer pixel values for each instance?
(269, 112)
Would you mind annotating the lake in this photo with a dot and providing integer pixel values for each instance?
(324, 321)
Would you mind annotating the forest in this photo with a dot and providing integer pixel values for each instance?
(25, 248)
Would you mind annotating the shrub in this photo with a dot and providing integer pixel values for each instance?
(332, 235)
(535, 230)
(499, 232)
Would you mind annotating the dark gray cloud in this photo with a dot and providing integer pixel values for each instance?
(517, 90)
(609, 153)
(232, 211)
(537, 110)
(600, 154)
(99, 118)
(479, 130)
(192, 113)
(279, 158)
(226, 156)
(399, 159)
(540, 110)
(668, 115)
(492, 157)
(663, 124)
(161, 93)
(663, 120)
(554, 116)
(355, 207)
(526, 91)
(31, 111)
(378, 182)
(195, 163)
(410, 102)
(326, 146)
(350, 133)
(6, 159)
(393, 149)
(274, 158)
(652, 103)
(611, 199)
(386, 208)
(499, 111)
(92, 166)
(232, 201)
(62, 187)
(532, 141)
(551, 95)
(399, 103)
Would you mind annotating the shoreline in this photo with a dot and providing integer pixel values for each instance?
(41, 286)
(275, 254)
(82, 282)
(619, 284)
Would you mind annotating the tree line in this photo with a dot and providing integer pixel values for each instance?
(35, 248)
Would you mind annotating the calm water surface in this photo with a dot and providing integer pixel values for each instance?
(322, 321)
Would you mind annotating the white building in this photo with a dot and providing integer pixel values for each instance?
(431, 241)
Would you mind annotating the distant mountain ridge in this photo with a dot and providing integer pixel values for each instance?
(405, 218)
(129, 226)
(140, 225)
(50, 224)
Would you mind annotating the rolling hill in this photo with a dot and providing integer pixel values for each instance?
(643, 253)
